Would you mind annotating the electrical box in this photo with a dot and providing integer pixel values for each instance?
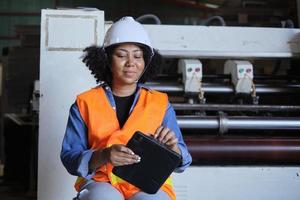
(241, 75)
(191, 74)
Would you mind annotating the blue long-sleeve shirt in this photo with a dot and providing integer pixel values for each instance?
(76, 154)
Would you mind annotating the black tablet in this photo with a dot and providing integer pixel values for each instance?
(157, 163)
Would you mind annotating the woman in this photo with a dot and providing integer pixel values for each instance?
(103, 119)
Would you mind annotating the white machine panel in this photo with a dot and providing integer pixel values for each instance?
(223, 42)
(62, 76)
(238, 183)
(59, 38)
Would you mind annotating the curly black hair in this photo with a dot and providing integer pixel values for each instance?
(98, 60)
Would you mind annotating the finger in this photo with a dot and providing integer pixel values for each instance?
(121, 151)
(157, 132)
(125, 149)
(125, 155)
(126, 159)
(134, 158)
(169, 136)
(122, 162)
(162, 134)
(172, 142)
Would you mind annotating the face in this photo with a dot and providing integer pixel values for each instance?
(127, 64)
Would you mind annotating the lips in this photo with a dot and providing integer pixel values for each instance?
(130, 73)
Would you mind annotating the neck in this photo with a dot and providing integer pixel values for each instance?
(123, 91)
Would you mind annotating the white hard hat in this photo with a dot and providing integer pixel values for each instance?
(127, 30)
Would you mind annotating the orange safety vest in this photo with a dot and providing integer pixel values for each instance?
(104, 130)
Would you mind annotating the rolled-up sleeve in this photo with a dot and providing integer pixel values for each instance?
(170, 121)
(75, 154)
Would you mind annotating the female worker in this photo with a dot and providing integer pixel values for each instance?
(103, 119)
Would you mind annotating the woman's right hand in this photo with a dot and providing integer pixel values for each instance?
(119, 155)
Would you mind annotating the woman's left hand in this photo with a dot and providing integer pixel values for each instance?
(167, 137)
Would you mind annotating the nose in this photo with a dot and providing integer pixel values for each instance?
(130, 61)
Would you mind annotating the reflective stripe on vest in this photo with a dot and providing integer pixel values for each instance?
(104, 131)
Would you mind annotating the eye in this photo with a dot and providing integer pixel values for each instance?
(121, 55)
(138, 56)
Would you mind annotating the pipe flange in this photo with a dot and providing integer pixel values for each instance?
(223, 123)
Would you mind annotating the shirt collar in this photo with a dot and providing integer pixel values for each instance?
(140, 85)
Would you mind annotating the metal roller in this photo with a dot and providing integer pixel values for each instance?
(239, 123)
(172, 77)
(236, 107)
(173, 87)
(220, 150)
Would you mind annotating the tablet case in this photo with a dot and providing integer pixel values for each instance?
(156, 165)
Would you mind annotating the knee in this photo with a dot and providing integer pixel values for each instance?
(103, 191)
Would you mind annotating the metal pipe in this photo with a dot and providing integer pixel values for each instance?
(173, 87)
(285, 78)
(166, 87)
(220, 150)
(198, 123)
(219, 18)
(256, 77)
(148, 16)
(239, 123)
(235, 107)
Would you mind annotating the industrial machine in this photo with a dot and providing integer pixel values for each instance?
(235, 90)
